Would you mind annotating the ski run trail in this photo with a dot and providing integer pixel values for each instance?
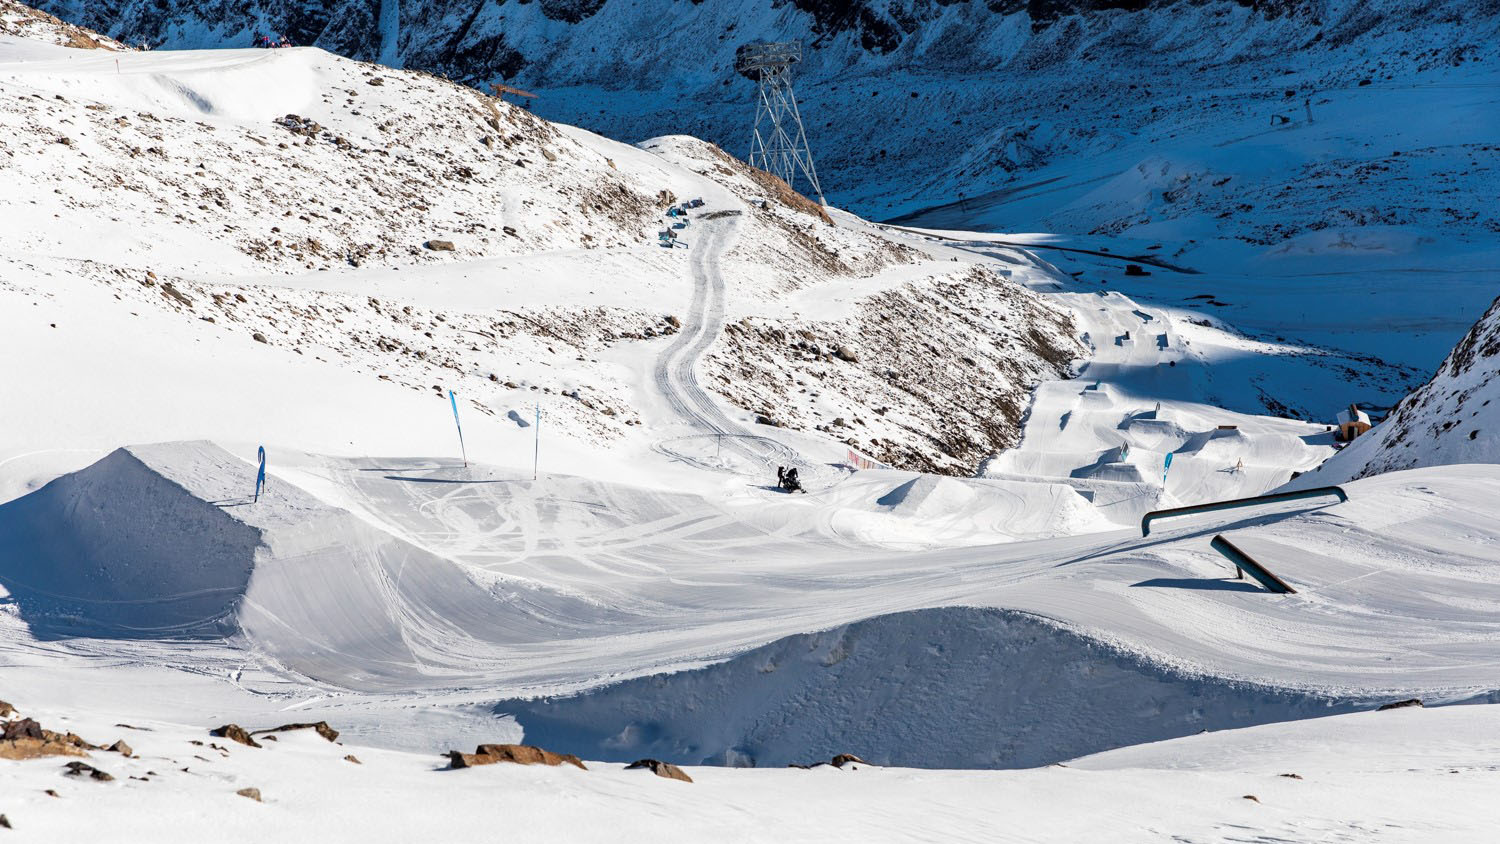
(1009, 655)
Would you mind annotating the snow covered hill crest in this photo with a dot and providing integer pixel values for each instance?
(424, 234)
(1454, 418)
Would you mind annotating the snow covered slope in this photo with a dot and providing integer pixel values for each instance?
(307, 203)
(387, 582)
(975, 97)
(1454, 418)
(1408, 774)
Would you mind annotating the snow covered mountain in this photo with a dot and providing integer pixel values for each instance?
(973, 96)
(246, 193)
(522, 393)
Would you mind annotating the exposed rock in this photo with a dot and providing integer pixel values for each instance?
(843, 759)
(322, 728)
(252, 793)
(673, 321)
(235, 732)
(351, 758)
(660, 768)
(121, 748)
(1135, 269)
(1400, 704)
(845, 353)
(258, 337)
(33, 748)
(1252, 797)
(26, 739)
(1292, 776)
(521, 754)
(78, 769)
(440, 245)
(6, 710)
(170, 290)
(5, 822)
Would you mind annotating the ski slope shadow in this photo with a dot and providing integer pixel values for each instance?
(118, 551)
(955, 687)
(134, 547)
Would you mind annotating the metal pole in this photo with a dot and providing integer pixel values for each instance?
(536, 455)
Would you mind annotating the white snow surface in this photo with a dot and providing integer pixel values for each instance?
(648, 592)
(1407, 775)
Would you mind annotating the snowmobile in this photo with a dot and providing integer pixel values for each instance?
(786, 479)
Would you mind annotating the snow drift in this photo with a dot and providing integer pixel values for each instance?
(955, 687)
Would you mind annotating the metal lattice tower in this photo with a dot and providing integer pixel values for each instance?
(779, 145)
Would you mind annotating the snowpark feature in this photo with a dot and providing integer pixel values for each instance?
(648, 592)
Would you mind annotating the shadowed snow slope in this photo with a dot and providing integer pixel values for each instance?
(957, 687)
(1454, 418)
(119, 549)
(157, 541)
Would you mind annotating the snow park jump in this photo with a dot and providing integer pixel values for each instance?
(1233, 503)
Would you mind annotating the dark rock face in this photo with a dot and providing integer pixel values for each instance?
(235, 732)
(660, 768)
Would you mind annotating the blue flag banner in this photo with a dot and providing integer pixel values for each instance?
(453, 399)
(260, 474)
(1166, 468)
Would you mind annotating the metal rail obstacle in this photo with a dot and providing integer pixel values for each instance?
(1245, 563)
(1232, 503)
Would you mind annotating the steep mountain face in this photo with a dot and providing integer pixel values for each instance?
(969, 95)
(1454, 418)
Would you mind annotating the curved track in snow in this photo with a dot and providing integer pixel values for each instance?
(676, 374)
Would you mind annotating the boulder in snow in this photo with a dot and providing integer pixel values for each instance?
(321, 727)
(521, 754)
(236, 733)
(660, 768)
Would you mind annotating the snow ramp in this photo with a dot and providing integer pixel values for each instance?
(120, 550)
(954, 687)
(162, 541)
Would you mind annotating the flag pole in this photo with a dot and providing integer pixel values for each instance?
(260, 474)
(453, 399)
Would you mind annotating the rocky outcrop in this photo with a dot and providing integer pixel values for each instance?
(83, 769)
(24, 738)
(321, 727)
(235, 732)
(520, 754)
(660, 768)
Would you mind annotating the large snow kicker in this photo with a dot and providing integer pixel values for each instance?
(163, 541)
